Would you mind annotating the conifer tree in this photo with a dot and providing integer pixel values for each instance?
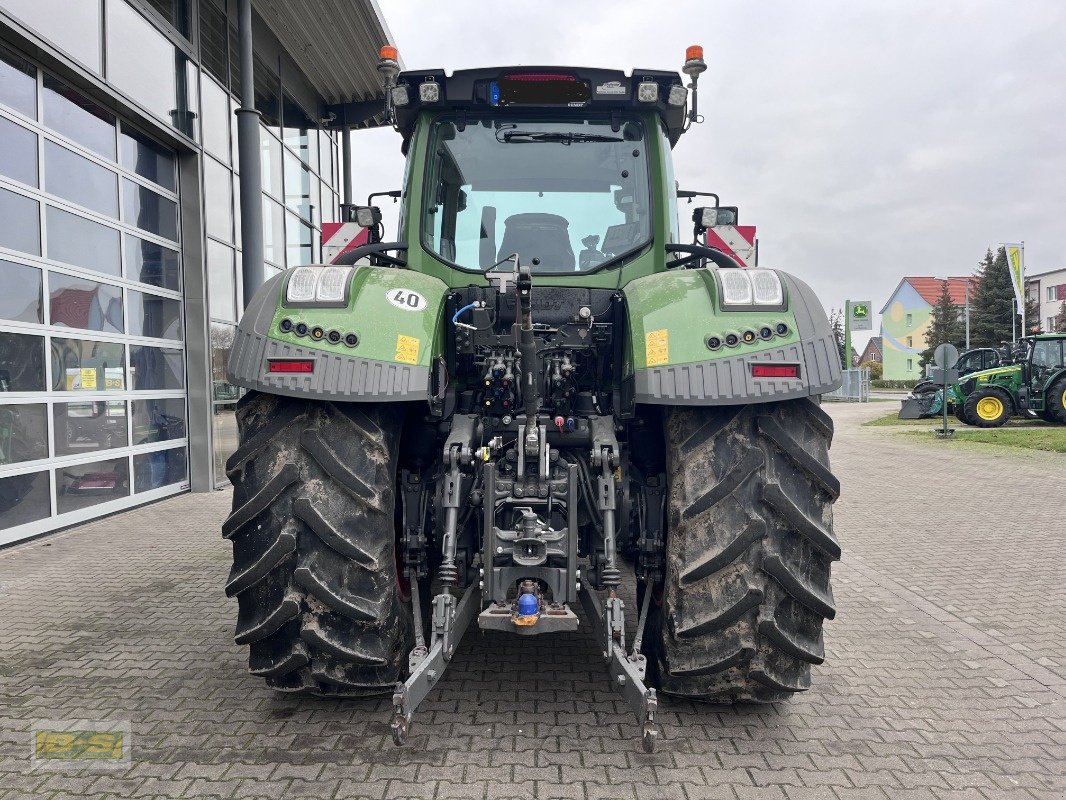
(945, 326)
(992, 303)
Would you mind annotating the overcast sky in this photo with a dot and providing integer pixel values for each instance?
(866, 140)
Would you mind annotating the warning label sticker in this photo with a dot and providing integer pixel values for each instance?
(657, 347)
(407, 349)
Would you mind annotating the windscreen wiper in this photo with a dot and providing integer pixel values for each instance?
(533, 137)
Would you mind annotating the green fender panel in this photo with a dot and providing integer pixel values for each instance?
(672, 315)
(394, 314)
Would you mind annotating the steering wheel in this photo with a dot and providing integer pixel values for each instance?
(376, 251)
(698, 253)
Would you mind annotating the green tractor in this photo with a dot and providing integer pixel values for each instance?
(1035, 385)
(476, 422)
(927, 397)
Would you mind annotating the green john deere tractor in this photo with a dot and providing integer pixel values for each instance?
(474, 422)
(927, 397)
(1035, 385)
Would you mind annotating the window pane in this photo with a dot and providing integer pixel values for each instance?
(273, 232)
(142, 62)
(176, 12)
(156, 367)
(222, 336)
(270, 158)
(87, 485)
(152, 263)
(223, 438)
(23, 434)
(297, 186)
(297, 127)
(78, 118)
(161, 468)
(158, 420)
(325, 156)
(79, 303)
(222, 291)
(215, 105)
(21, 228)
(151, 315)
(24, 498)
(20, 299)
(217, 200)
(21, 363)
(79, 180)
(149, 159)
(237, 209)
(82, 365)
(146, 209)
(73, 26)
(81, 241)
(18, 152)
(297, 242)
(18, 84)
(89, 425)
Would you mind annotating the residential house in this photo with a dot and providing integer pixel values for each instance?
(905, 320)
(1049, 290)
(872, 351)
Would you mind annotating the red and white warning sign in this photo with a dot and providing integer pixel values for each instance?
(340, 237)
(736, 240)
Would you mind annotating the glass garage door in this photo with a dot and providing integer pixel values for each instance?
(92, 360)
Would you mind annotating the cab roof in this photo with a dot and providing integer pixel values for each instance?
(502, 91)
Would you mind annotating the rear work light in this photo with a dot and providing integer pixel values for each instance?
(775, 370)
(290, 365)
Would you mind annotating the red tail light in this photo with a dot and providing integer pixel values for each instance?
(291, 365)
(775, 370)
(538, 77)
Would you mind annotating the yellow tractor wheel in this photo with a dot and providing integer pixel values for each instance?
(988, 407)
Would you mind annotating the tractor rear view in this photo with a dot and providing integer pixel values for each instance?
(470, 424)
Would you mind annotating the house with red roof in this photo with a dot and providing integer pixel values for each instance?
(905, 320)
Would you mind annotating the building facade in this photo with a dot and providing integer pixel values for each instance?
(905, 321)
(872, 351)
(120, 237)
(1048, 291)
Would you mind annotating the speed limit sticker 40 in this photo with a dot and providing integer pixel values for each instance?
(407, 299)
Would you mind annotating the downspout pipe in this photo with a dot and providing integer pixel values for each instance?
(248, 149)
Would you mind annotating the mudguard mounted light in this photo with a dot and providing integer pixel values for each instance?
(313, 286)
(749, 289)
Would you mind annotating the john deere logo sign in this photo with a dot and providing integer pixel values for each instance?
(861, 318)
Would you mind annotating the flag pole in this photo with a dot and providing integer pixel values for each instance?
(1025, 289)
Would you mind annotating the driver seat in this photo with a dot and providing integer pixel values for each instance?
(542, 236)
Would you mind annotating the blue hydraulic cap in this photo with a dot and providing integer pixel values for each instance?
(528, 605)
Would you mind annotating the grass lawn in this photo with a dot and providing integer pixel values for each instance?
(1030, 437)
(1030, 434)
(892, 420)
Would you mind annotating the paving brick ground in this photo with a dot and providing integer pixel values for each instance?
(946, 669)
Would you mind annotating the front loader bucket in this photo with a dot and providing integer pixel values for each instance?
(921, 406)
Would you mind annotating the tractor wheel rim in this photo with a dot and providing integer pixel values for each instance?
(989, 408)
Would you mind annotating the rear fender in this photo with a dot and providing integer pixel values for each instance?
(395, 315)
(672, 315)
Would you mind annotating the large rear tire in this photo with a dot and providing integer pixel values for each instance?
(1055, 404)
(749, 548)
(313, 533)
